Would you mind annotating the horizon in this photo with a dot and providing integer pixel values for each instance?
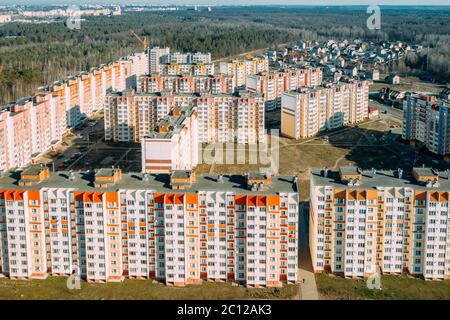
(231, 3)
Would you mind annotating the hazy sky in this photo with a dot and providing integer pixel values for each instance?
(234, 2)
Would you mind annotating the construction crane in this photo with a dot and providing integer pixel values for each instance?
(144, 42)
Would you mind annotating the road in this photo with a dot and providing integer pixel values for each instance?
(308, 287)
(393, 112)
(81, 142)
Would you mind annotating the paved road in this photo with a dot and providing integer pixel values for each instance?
(393, 112)
(308, 288)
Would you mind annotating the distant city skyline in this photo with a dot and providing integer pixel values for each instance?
(228, 2)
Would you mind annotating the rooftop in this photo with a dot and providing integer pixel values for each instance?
(84, 181)
(373, 179)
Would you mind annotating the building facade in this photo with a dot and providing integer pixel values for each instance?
(178, 228)
(240, 69)
(174, 143)
(427, 121)
(363, 222)
(31, 126)
(273, 84)
(221, 117)
(306, 112)
(212, 84)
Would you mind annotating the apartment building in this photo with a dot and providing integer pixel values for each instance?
(308, 111)
(178, 228)
(174, 143)
(213, 84)
(31, 126)
(274, 83)
(194, 69)
(240, 69)
(186, 58)
(221, 117)
(427, 122)
(154, 58)
(368, 221)
(28, 128)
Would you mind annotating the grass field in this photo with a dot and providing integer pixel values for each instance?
(55, 288)
(392, 288)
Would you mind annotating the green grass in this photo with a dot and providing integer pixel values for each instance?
(392, 288)
(54, 288)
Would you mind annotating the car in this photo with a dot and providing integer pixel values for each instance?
(384, 112)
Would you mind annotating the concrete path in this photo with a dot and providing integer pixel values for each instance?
(308, 288)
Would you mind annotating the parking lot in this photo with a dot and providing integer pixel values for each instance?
(85, 149)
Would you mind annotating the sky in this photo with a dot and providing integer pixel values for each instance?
(233, 2)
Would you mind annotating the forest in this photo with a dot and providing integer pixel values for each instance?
(32, 55)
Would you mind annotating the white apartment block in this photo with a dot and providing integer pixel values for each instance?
(178, 228)
(174, 143)
(273, 84)
(364, 221)
(154, 58)
(186, 58)
(306, 112)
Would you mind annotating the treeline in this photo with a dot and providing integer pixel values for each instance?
(32, 55)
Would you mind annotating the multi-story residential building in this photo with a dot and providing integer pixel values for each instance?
(174, 144)
(221, 118)
(194, 69)
(162, 61)
(213, 84)
(186, 58)
(307, 111)
(178, 228)
(272, 84)
(240, 69)
(32, 125)
(365, 221)
(427, 122)
(154, 58)
(28, 128)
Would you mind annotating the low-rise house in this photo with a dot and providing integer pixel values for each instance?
(392, 79)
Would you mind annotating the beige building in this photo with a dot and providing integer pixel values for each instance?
(240, 69)
(308, 111)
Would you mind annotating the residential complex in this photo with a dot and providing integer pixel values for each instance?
(213, 84)
(179, 228)
(174, 143)
(31, 126)
(221, 117)
(240, 69)
(274, 83)
(163, 62)
(308, 111)
(364, 221)
(427, 122)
